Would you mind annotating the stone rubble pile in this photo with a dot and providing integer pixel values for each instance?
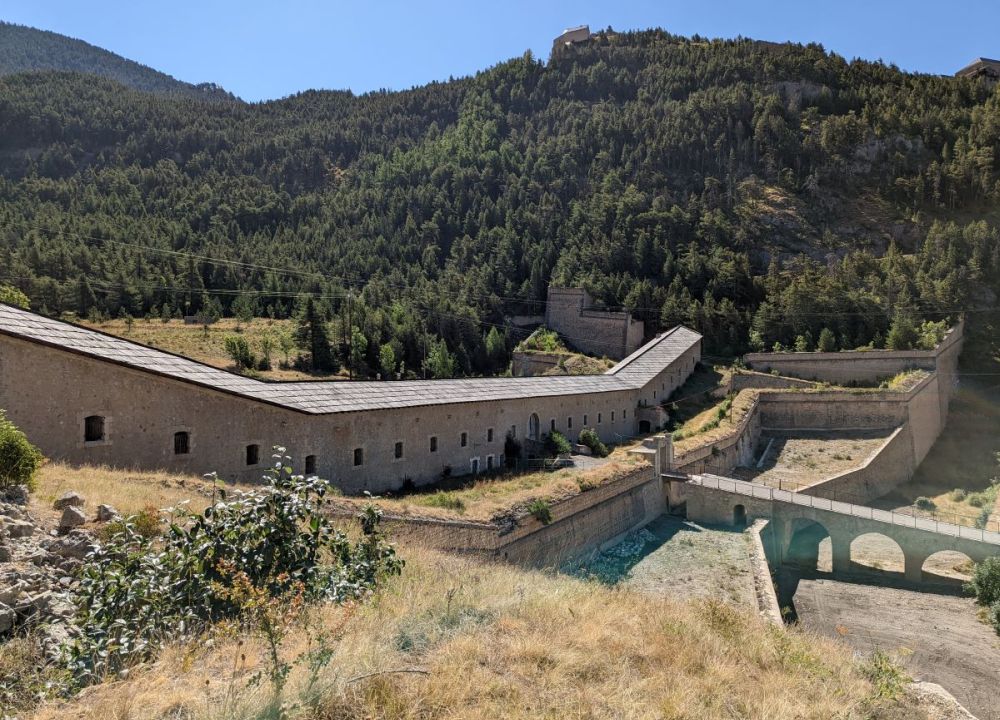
(38, 567)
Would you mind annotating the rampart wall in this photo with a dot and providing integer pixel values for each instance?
(867, 367)
(596, 332)
(580, 524)
(887, 468)
(723, 454)
(528, 364)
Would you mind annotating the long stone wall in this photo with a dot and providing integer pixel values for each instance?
(867, 367)
(580, 524)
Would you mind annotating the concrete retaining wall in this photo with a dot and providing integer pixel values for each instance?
(580, 524)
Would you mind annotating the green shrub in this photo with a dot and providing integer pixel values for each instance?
(19, 459)
(924, 503)
(591, 439)
(958, 494)
(146, 523)
(995, 616)
(12, 296)
(985, 582)
(557, 444)
(274, 543)
(541, 510)
(238, 350)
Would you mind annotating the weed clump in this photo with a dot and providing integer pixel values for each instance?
(541, 511)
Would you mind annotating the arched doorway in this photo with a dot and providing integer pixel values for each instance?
(533, 427)
(740, 516)
(875, 551)
(644, 426)
(947, 566)
(809, 546)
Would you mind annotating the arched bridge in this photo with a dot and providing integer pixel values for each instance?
(720, 500)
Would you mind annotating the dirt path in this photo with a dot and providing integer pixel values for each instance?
(939, 637)
(675, 557)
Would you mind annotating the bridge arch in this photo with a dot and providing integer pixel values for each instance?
(808, 545)
(947, 566)
(877, 551)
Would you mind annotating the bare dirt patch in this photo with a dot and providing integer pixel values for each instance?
(680, 559)
(799, 460)
(939, 637)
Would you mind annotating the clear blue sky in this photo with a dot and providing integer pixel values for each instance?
(267, 49)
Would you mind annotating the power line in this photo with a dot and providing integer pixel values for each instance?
(359, 280)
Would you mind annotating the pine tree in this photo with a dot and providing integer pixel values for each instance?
(312, 337)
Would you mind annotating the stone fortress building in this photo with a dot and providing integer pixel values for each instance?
(90, 398)
(595, 331)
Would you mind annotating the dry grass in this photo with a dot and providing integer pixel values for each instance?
(208, 345)
(498, 641)
(492, 496)
(741, 404)
(128, 490)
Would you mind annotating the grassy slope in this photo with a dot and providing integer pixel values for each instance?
(208, 346)
(497, 641)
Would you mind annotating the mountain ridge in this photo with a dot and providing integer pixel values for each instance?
(28, 49)
(758, 193)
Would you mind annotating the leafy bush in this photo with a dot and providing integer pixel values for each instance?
(543, 340)
(19, 459)
(985, 582)
(591, 439)
(238, 350)
(146, 523)
(276, 542)
(924, 503)
(557, 444)
(995, 617)
(541, 510)
(959, 494)
(12, 296)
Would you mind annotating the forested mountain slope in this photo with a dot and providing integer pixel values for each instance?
(24, 49)
(761, 193)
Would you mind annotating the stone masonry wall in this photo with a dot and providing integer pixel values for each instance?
(595, 332)
(580, 524)
(868, 366)
(722, 455)
(143, 411)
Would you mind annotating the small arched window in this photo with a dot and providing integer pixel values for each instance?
(253, 454)
(310, 464)
(182, 443)
(93, 428)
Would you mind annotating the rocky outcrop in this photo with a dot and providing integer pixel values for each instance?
(69, 499)
(38, 569)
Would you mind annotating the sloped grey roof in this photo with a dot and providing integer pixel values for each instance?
(343, 396)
